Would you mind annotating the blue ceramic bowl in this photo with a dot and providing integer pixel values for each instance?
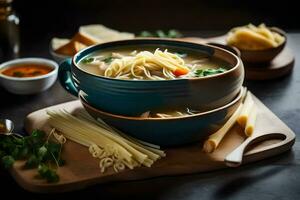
(169, 131)
(132, 97)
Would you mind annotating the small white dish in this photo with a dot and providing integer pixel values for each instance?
(59, 58)
(28, 85)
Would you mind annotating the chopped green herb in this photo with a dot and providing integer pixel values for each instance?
(24, 152)
(38, 151)
(42, 151)
(38, 134)
(174, 34)
(161, 34)
(88, 60)
(32, 162)
(146, 34)
(18, 74)
(181, 54)
(47, 173)
(16, 152)
(7, 161)
(208, 72)
(108, 59)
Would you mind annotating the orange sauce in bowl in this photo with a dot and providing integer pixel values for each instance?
(26, 70)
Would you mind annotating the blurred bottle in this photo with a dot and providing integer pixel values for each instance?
(9, 32)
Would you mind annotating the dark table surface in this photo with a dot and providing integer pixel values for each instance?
(274, 178)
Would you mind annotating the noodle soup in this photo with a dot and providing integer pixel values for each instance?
(152, 64)
(129, 77)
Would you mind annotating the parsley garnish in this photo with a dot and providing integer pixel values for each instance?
(161, 34)
(88, 60)
(181, 54)
(38, 151)
(7, 161)
(18, 74)
(108, 59)
(208, 72)
(47, 173)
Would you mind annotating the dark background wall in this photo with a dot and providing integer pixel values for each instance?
(48, 18)
(136, 15)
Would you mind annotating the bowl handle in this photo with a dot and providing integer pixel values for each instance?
(64, 76)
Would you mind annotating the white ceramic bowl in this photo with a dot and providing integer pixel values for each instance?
(28, 85)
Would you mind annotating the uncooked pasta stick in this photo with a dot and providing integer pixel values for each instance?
(140, 156)
(248, 104)
(250, 125)
(214, 140)
(104, 142)
(100, 122)
(65, 123)
(149, 150)
(71, 130)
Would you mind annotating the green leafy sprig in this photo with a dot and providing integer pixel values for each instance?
(89, 60)
(209, 72)
(161, 34)
(38, 150)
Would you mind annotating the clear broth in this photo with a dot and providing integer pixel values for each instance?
(190, 57)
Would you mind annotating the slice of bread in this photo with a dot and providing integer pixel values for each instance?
(88, 35)
(100, 33)
(85, 39)
(71, 48)
(78, 46)
(56, 43)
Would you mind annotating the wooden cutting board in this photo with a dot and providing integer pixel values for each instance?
(81, 170)
(281, 65)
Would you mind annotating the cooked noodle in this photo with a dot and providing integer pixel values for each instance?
(151, 64)
(145, 65)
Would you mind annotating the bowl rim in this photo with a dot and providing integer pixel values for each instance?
(31, 60)
(234, 101)
(61, 56)
(272, 28)
(238, 60)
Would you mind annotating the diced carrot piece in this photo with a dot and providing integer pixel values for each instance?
(180, 71)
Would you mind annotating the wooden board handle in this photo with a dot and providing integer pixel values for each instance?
(235, 158)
